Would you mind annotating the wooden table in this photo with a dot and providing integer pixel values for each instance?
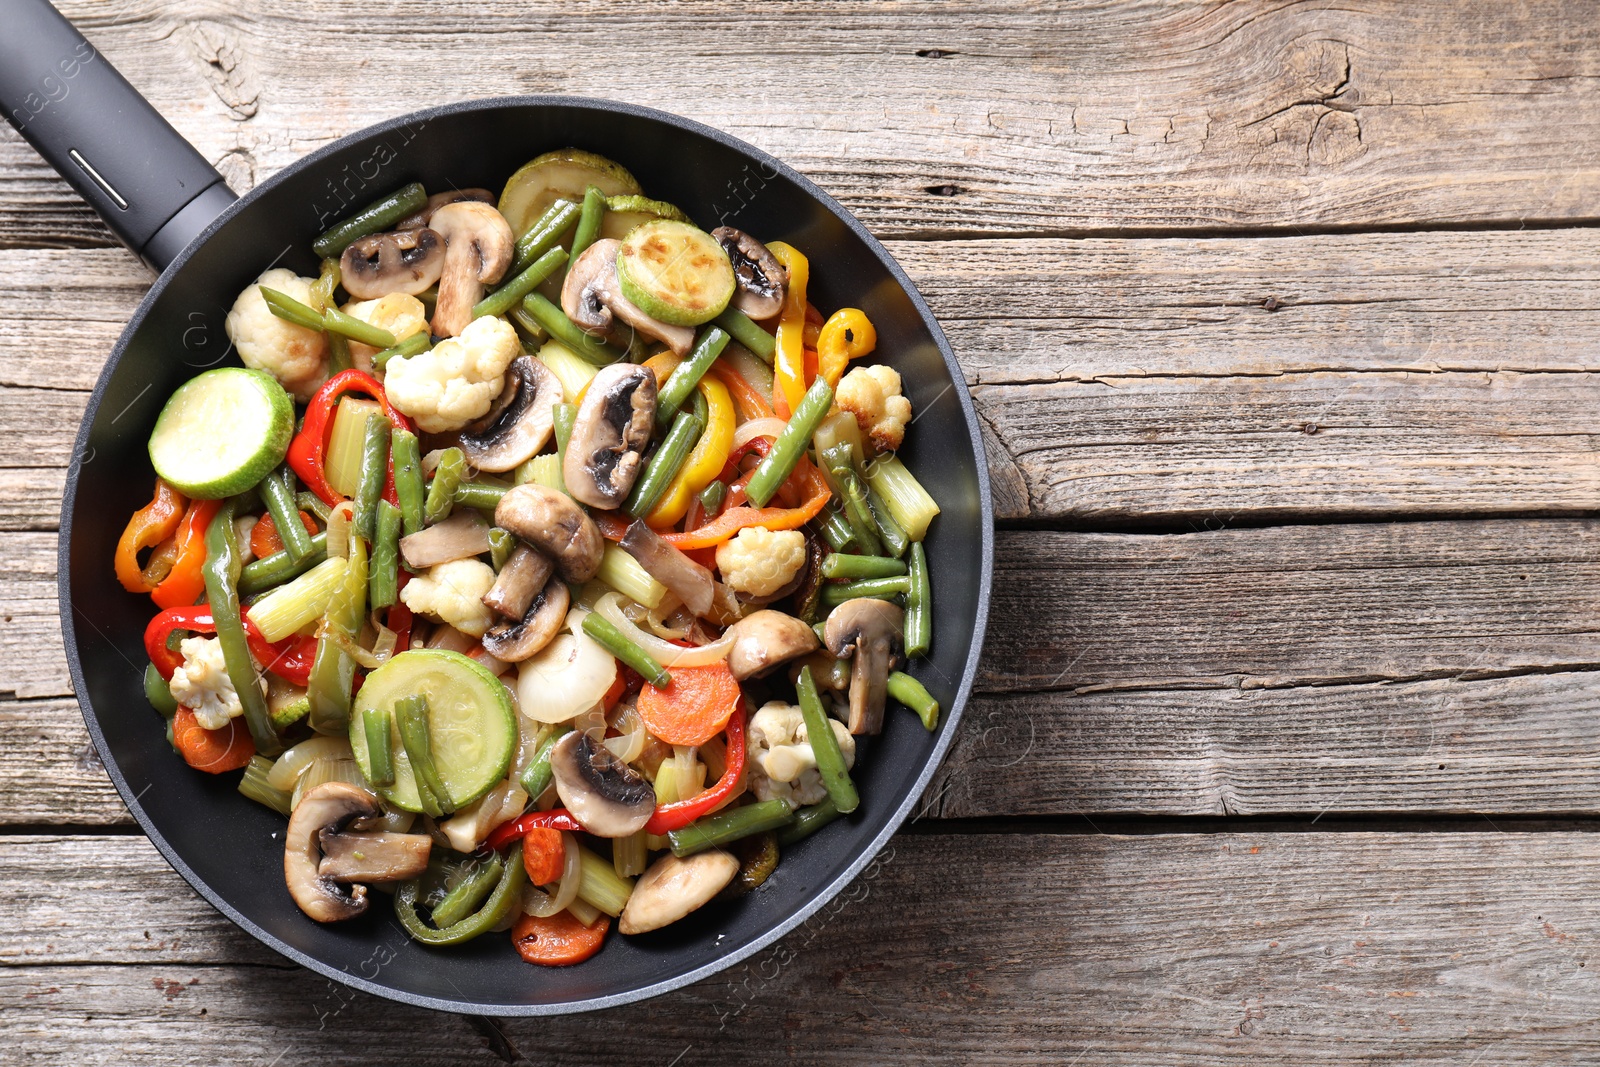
(1282, 320)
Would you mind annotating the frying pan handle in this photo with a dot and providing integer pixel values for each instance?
(149, 184)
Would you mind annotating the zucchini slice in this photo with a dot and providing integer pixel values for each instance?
(562, 174)
(623, 213)
(221, 432)
(675, 272)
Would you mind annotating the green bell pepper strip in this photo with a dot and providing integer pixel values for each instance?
(333, 672)
(159, 694)
(221, 572)
(468, 896)
(507, 896)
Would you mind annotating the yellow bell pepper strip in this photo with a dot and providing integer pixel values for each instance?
(705, 462)
(848, 334)
(788, 363)
(150, 525)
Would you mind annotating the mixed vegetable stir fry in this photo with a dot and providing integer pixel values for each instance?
(571, 588)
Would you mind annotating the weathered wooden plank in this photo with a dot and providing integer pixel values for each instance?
(1294, 948)
(930, 118)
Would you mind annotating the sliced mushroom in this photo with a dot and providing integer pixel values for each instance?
(592, 297)
(549, 521)
(691, 582)
(763, 281)
(872, 633)
(373, 857)
(674, 887)
(514, 642)
(607, 796)
(609, 435)
(323, 817)
(522, 424)
(765, 640)
(524, 574)
(462, 535)
(422, 217)
(477, 250)
(384, 263)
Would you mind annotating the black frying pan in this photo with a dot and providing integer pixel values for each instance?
(162, 199)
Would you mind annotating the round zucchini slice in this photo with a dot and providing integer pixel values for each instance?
(675, 272)
(471, 725)
(221, 432)
(623, 213)
(562, 174)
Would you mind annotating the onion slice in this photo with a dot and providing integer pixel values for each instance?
(748, 431)
(665, 653)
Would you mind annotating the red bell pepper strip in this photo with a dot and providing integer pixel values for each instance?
(290, 658)
(554, 819)
(185, 583)
(677, 815)
(308, 451)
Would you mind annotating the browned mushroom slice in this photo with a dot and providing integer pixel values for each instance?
(462, 535)
(372, 857)
(549, 521)
(692, 583)
(477, 250)
(546, 611)
(519, 581)
(422, 217)
(592, 297)
(522, 425)
(609, 435)
(763, 282)
(323, 817)
(872, 633)
(384, 263)
(607, 796)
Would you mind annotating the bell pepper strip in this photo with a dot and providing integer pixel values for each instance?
(788, 363)
(746, 399)
(705, 463)
(308, 452)
(184, 584)
(848, 334)
(149, 526)
(289, 659)
(730, 522)
(221, 571)
(662, 364)
(504, 900)
(681, 813)
(554, 819)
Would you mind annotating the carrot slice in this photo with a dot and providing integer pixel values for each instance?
(213, 751)
(265, 539)
(544, 853)
(559, 941)
(694, 708)
(733, 520)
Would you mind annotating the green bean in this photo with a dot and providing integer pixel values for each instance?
(894, 537)
(468, 895)
(376, 216)
(836, 529)
(478, 495)
(791, 443)
(375, 727)
(825, 746)
(536, 777)
(384, 573)
(158, 693)
(876, 588)
(336, 321)
(289, 309)
(557, 325)
(712, 496)
(839, 465)
(309, 501)
(808, 821)
(339, 359)
(726, 827)
(664, 465)
(919, 605)
(545, 234)
(612, 639)
(744, 330)
(262, 574)
(524, 282)
(594, 210)
(414, 345)
(374, 472)
(442, 490)
(679, 386)
(408, 488)
(835, 565)
(506, 898)
(412, 714)
(910, 692)
(221, 572)
(501, 545)
(279, 496)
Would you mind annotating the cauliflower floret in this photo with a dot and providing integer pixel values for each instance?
(872, 395)
(399, 313)
(782, 763)
(458, 380)
(201, 683)
(759, 562)
(453, 593)
(294, 355)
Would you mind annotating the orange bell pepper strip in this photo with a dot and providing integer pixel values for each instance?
(749, 403)
(788, 362)
(730, 522)
(149, 526)
(185, 583)
(848, 334)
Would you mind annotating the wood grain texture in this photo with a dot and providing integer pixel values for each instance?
(1193, 950)
(932, 118)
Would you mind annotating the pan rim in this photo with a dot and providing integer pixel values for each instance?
(826, 892)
